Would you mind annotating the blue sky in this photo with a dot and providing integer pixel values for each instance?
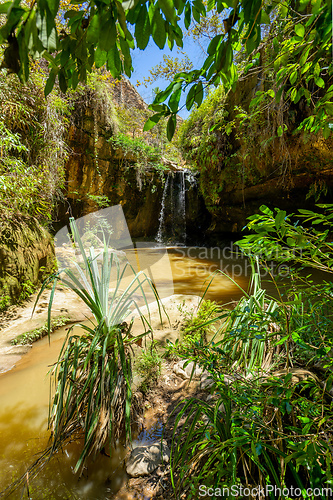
(144, 60)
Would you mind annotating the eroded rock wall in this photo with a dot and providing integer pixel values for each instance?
(250, 153)
(95, 169)
(26, 256)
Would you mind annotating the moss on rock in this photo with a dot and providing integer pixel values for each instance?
(26, 255)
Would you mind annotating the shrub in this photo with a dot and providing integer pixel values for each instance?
(93, 374)
(32, 148)
(263, 427)
(253, 435)
(194, 329)
(136, 150)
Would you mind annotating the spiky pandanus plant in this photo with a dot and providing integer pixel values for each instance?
(93, 373)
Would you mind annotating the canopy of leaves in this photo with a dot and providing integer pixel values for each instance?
(104, 33)
(297, 46)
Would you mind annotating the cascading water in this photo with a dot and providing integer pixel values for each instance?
(180, 210)
(190, 178)
(159, 237)
(172, 218)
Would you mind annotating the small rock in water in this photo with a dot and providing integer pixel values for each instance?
(186, 372)
(146, 458)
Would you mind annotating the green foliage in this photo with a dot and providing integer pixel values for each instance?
(283, 238)
(288, 46)
(265, 427)
(88, 36)
(38, 333)
(197, 140)
(131, 120)
(132, 123)
(193, 322)
(311, 319)
(94, 35)
(27, 288)
(306, 304)
(236, 142)
(195, 327)
(138, 151)
(93, 374)
(5, 300)
(317, 189)
(97, 94)
(32, 153)
(148, 366)
(100, 200)
(273, 434)
(251, 330)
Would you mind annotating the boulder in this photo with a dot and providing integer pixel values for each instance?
(145, 459)
(206, 381)
(185, 372)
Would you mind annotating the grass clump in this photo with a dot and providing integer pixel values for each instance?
(4, 301)
(137, 150)
(194, 329)
(149, 366)
(194, 326)
(92, 394)
(38, 333)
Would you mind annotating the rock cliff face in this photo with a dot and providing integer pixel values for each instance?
(26, 255)
(308, 180)
(124, 94)
(237, 176)
(249, 153)
(95, 169)
(240, 203)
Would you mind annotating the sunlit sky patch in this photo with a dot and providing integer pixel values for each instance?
(144, 60)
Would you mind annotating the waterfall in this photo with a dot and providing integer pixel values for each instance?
(159, 237)
(190, 178)
(180, 211)
(172, 218)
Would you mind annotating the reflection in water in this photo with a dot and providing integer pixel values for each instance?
(24, 396)
(24, 391)
(192, 270)
(188, 270)
(150, 433)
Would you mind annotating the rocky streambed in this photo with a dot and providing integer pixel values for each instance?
(139, 471)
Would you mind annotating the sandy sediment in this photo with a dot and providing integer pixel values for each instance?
(19, 319)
